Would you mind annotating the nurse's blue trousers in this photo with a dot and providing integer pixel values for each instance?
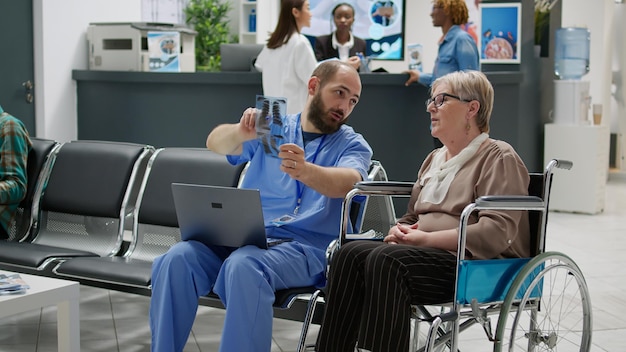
(245, 280)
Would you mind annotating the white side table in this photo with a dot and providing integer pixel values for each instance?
(44, 292)
(583, 188)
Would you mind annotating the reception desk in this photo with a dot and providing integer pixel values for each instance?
(180, 109)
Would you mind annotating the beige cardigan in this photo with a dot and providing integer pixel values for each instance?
(496, 169)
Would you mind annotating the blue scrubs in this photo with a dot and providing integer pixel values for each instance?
(245, 278)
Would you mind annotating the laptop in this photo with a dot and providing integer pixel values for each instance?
(221, 216)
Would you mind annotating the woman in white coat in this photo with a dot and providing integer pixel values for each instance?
(287, 60)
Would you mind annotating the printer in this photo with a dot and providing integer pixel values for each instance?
(124, 46)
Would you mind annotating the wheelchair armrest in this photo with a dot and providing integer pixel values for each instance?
(495, 202)
(366, 188)
(508, 202)
(560, 164)
(385, 187)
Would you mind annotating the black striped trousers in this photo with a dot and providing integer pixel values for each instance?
(371, 288)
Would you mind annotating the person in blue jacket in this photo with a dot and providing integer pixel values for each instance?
(457, 49)
(301, 193)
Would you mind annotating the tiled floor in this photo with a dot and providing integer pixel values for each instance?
(113, 321)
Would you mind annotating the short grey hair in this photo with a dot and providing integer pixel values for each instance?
(471, 85)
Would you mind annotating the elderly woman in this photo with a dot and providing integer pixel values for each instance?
(373, 284)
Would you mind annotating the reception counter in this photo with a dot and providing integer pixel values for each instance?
(180, 109)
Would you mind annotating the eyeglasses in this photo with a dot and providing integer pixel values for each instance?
(440, 98)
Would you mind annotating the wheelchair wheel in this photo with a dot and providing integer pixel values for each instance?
(547, 308)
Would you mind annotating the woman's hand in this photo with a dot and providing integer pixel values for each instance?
(413, 76)
(411, 235)
(404, 234)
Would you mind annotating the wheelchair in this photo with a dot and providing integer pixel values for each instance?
(539, 303)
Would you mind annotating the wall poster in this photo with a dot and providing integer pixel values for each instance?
(500, 28)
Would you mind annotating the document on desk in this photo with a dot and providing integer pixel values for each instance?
(12, 284)
(270, 129)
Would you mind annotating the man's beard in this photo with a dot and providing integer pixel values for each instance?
(317, 113)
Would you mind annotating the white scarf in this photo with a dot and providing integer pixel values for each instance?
(441, 172)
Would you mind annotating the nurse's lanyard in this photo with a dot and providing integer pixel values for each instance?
(299, 184)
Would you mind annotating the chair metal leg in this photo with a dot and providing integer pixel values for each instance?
(432, 334)
(436, 322)
(308, 318)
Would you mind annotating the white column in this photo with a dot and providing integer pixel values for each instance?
(60, 46)
(617, 116)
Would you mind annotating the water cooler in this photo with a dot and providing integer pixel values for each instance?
(572, 135)
(571, 102)
(571, 62)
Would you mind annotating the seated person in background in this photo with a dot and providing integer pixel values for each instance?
(341, 43)
(14, 147)
(306, 183)
(372, 284)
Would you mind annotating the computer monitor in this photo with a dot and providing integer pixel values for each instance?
(384, 35)
(239, 57)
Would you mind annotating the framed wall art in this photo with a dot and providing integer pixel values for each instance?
(500, 28)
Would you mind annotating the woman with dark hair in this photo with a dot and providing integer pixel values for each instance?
(287, 60)
(341, 43)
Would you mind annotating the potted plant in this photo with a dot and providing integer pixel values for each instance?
(210, 19)
(542, 25)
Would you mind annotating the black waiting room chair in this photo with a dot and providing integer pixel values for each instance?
(84, 205)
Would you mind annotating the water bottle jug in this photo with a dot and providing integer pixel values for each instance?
(252, 21)
(571, 58)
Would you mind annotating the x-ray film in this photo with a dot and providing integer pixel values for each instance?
(270, 129)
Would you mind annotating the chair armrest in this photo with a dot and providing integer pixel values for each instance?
(507, 202)
(367, 188)
(384, 187)
(495, 202)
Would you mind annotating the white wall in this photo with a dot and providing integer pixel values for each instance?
(60, 45)
(618, 89)
(597, 16)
